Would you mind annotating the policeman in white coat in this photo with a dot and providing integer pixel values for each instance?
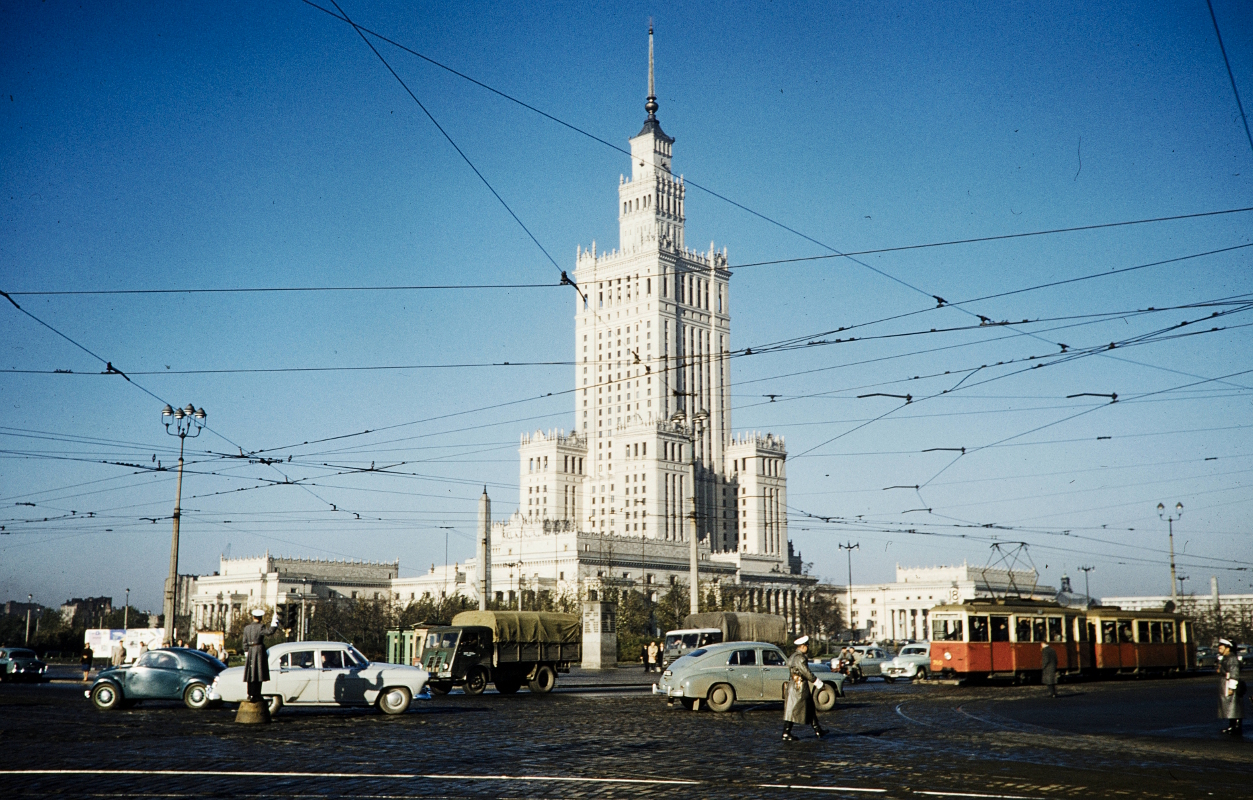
(798, 704)
(1230, 689)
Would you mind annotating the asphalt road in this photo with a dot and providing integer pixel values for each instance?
(610, 739)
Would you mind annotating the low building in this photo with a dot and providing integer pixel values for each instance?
(896, 611)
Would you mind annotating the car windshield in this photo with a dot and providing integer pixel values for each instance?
(203, 656)
(353, 657)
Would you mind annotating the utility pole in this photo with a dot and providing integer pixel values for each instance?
(30, 601)
(1170, 522)
(185, 421)
(697, 419)
(126, 610)
(1087, 592)
(850, 547)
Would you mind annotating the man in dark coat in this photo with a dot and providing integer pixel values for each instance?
(1231, 688)
(798, 700)
(256, 665)
(1048, 668)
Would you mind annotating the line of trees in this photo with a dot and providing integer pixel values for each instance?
(50, 633)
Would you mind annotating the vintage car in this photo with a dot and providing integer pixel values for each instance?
(721, 674)
(910, 663)
(326, 674)
(18, 663)
(870, 662)
(170, 673)
(1206, 658)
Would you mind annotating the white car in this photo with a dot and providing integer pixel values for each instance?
(326, 674)
(910, 663)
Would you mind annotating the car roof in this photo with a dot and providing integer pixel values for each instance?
(722, 646)
(289, 646)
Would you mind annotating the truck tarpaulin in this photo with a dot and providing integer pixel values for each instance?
(541, 627)
(741, 626)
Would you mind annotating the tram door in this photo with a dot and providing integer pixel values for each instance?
(1002, 649)
(1089, 647)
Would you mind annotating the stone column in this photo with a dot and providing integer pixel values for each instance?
(600, 635)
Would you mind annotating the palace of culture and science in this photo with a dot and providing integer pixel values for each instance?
(610, 504)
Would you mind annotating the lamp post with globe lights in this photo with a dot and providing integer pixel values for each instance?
(1170, 522)
(180, 422)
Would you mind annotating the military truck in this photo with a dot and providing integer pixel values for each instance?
(712, 627)
(507, 648)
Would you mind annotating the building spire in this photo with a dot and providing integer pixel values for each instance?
(651, 105)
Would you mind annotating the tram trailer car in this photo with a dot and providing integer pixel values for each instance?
(1002, 638)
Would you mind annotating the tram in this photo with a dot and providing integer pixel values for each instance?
(1002, 638)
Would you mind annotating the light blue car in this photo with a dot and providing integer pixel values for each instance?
(719, 675)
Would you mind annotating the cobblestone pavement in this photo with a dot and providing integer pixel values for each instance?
(609, 739)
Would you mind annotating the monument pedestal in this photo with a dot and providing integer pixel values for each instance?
(600, 635)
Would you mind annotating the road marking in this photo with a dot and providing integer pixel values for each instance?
(972, 794)
(819, 788)
(359, 775)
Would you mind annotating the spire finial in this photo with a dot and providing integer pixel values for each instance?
(651, 105)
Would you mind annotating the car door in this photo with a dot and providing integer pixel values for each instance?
(297, 678)
(339, 679)
(155, 675)
(744, 674)
(774, 673)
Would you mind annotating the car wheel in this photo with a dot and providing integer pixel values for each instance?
(196, 696)
(889, 679)
(106, 696)
(439, 688)
(721, 697)
(544, 681)
(476, 681)
(274, 703)
(394, 700)
(824, 697)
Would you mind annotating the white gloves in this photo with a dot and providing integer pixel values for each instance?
(817, 683)
(274, 622)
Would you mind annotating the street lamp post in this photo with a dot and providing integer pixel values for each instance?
(850, 547)
(1087, 592)
(30, 601)
(1170, 523)
(304, 590)
(697, 421)
(126, 610)
(187, 422)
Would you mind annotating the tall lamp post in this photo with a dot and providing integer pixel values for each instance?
(126, 610)
(185, 422)
(30, 601)
(1170, 522)
(850, 547)
(1087, 592)
(698, 420)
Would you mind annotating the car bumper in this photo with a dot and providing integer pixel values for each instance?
(668, 691)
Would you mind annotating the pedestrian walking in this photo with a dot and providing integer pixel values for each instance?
(798, 705)
(644, 657)
(1231, 688)
(85, 661)
(653, 654)
(1048, 668)
(256, 665)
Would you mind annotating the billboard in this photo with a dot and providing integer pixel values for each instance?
(103, 640)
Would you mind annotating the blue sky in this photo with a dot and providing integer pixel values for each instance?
(227, 146)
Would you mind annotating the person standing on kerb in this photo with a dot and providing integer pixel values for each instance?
(1230, 689)
(256, 665)
(798, 705)
(1048, 668)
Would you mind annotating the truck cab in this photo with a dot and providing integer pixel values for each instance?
(681, 642)
(451, 654)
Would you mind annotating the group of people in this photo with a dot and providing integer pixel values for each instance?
(650, 656)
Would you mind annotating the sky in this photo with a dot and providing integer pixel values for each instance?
(267, 146)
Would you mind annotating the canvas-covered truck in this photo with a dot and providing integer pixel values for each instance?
(506, 648)
(712, 627)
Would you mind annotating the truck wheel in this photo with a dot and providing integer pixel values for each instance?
(439, 688)
(106, 696)
(544, 681)
(508, 684)
(394, 700)
(824, 697)
(196, 696)
(721, 697)
(476, 681)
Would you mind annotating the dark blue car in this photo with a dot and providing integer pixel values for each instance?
(19, 663)
(170, 673)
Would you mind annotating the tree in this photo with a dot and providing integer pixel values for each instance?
(821, 617)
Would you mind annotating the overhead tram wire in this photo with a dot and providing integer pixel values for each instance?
(294, 289)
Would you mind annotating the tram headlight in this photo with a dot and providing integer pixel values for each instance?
(948, 656)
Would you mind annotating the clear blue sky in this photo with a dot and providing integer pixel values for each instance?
(209, 145)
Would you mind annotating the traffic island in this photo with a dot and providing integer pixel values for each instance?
(253, 712)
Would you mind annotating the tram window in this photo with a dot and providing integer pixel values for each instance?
(1143, 630)
(979, 629)
(1155, 632)
(1168, 632)
(1124, 631)
(1056, 630)
(1109, 632)
(1037, 630)
(1000, 629)
(946, 630)
(1022, 629)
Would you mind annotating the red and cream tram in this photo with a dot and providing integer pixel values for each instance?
(1002, 639)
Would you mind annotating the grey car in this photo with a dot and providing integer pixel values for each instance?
(170, 673)
(18, 663)
(719, 675)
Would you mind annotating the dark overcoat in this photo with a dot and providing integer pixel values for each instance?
(1048, 666)
(798, 701)
(256, 665)
(1230, 701)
